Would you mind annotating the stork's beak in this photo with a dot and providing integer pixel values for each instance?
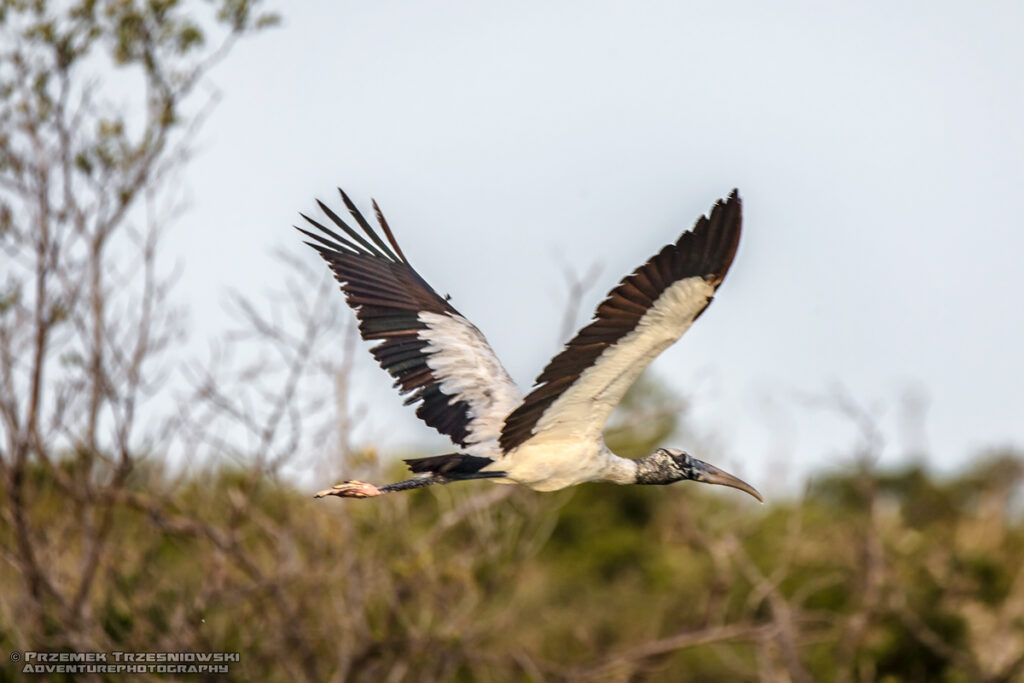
(709, 474)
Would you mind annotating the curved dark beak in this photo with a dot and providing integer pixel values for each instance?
(709, 474)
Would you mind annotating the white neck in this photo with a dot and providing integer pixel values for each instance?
(618, 470)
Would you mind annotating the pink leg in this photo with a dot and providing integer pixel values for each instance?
(360, 489)
(351, 489)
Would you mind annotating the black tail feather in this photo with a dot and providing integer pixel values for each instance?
(453, 466)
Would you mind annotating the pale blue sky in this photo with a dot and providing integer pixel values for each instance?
(878, 148)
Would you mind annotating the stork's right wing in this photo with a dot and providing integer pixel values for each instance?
(433, 352)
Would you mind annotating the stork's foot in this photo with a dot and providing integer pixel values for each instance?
(351, 489)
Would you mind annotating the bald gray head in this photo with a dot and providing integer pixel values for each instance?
(669, 465)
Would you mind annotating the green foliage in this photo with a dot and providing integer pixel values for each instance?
(565, 585)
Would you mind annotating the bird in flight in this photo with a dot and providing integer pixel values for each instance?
(552, 437)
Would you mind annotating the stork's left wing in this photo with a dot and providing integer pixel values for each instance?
(642, 316)
(433, 352)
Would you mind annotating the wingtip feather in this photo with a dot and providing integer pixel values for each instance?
(387, 231)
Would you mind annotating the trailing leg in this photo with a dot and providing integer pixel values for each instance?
(360, 489)
(437, 469)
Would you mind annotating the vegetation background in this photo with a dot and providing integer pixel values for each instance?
(139, 513)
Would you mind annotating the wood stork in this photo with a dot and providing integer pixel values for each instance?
(552, 437)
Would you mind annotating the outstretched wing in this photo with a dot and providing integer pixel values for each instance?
(435, 355)
(642, 316)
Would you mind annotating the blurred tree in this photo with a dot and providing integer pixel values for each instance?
(84, 319)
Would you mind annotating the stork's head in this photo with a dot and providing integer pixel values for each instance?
(669, 465)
